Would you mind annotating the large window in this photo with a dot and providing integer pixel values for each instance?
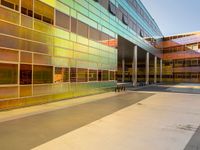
(42, 74)
(73, 75)
(61, 75)
(43, 12)
(12, 4)
(105, 75)
(92, 75)
(62, 20)
(104, 3)
(112, 75)
(25, 74)
(94, 34)
(82, 75)
(99, 75)
(8, 55)
(27, 7)
(8, 73)
(73, 25)
(82, 29)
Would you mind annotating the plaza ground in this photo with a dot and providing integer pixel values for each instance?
(162, 117)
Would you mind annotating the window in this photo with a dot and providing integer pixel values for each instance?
(62, 20)
(26, 57)
(104, 37)
(61, 75)
(37, 16)
(73, 25)
(104, 3)
(25, 74)
(43, 12)
(42, 74)
(82, 29)
(94, 34)
(125, 19)
(99, 75)
(92, 75)
(72, 74)
(112, 8)
(27, 7)
(105, 75)
(82, 75)
(119, 13)
(8, 73)
(8, 55)
(7, 4)
(112, 75)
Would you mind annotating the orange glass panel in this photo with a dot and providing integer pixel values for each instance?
(8, 55)
(26, 57)
(8, 92)
(9, 15)
(42, 59)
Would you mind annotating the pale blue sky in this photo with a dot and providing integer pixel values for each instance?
(175, 16)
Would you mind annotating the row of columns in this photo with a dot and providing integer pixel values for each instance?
(134, 68)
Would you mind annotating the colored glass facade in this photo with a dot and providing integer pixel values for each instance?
(181, 58)
(56, 49)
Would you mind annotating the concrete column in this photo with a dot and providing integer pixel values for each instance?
(123, 70)
(147, 68)
(161, 72)
(155, 69)
(135, 65)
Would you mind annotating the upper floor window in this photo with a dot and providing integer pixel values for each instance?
(62, 20)
(112, 8)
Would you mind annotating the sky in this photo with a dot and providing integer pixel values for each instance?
(175, 16)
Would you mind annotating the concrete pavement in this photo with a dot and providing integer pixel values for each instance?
(28, 132)
(164, 121)
(165, 117)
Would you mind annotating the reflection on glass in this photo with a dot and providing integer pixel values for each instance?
(61, 75)
(42, 74)
(82, 75)
(8, 73)
(25, 74)
(92, 75)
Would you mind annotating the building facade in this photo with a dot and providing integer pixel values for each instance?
(181, 58)
(57, 49)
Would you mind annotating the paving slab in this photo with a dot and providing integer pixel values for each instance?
(164, 121)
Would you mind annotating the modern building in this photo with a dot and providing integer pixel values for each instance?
(57, 49)
(181, 58)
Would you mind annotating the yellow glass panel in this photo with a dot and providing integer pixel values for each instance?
(44, 9)
(41, 89)
(9, 15)
(63, 52)
(63, 43)
(25, 91)
(80, 47)
(26, 21)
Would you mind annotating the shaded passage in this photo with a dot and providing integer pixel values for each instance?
(194, 143)
(29, 132)
(189, 88)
